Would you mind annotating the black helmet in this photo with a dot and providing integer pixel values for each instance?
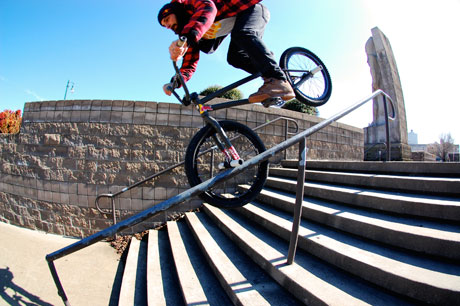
(165, 11)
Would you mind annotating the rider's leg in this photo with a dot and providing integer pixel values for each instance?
(238, 58)
(248, 52)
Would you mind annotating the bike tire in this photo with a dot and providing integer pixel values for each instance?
(297, 63)
(198, 167)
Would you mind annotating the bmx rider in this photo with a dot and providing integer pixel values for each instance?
(206, 23)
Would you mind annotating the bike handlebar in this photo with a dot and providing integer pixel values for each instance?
(178, 80)
(182, 40)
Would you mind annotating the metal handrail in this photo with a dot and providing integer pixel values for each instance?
(223, 176)
(111, 196)
(380, 152)
(301, 139)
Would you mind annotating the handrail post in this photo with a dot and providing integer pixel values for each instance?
(212, 164)
(387, 129)
(114, 214)
(298, 201)
(286, 130)
(58, 283)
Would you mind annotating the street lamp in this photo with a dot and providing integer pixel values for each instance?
(71, 85)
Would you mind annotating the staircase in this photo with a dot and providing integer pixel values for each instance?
(371, 233)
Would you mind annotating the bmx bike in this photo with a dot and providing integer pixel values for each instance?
(221, 145)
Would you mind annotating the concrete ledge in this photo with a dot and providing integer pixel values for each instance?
(438, 239)
(412, 168)
(404, 204)
(408, 184)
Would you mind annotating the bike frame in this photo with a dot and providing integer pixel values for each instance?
(226, 147)
(193, 98)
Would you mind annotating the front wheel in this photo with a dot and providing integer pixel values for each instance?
(203, 157)
(308, 76)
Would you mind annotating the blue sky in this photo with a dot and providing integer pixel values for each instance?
(117, 50)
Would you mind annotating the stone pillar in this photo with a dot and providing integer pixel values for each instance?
(385, 76)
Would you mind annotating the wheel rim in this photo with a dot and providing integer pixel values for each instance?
(209, 157)
(298, 67)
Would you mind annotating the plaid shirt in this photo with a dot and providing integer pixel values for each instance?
(203, 14)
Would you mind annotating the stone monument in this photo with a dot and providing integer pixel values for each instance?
(385, 76)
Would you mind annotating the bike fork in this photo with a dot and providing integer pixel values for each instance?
(306, 76)
(232, 157)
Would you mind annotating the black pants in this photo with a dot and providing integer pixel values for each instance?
(247, 51)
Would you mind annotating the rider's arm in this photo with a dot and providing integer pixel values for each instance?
(190, 62)
(204, 15)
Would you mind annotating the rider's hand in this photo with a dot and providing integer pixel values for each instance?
(177, 52)
(167, 88)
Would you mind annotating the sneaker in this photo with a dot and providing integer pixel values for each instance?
(275, 102)
(273, 88)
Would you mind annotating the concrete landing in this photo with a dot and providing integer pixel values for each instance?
(87, 275)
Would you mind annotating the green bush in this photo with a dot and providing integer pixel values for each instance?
(234, 94)
(297, 106)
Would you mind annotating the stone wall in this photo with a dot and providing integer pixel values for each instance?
(68, 152)
(423, 156)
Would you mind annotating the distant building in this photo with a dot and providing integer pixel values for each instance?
(420, 151)
(419, 147)
(412, 137)
(454, 156)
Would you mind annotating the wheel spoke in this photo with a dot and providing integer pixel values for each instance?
(308, 76)
(203, 165)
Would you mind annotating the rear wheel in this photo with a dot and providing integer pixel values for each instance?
(308, 76)
(203, 157)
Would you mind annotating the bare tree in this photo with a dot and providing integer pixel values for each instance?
(442, 148)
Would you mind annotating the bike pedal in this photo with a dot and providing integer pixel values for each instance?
(274, 102)
(228, 165)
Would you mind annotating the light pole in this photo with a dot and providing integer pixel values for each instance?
(71, 85)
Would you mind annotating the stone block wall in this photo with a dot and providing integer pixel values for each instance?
(68, 152)
(423, 156)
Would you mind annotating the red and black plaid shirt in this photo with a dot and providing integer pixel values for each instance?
(203, 14)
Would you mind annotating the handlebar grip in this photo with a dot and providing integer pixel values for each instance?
(182, 40)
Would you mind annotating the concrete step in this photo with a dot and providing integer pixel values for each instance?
(436, 207)
(394, 167)
(197, 282)
(163, 287)
(407, 184)
(365, 238)
(162, 284)
(244, 283)
(415, 234)
(190, 284)
(417, 277)
(155, 286)
(309, 279)
(133, 287)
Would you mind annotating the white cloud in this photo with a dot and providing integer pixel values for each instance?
(33, 94)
